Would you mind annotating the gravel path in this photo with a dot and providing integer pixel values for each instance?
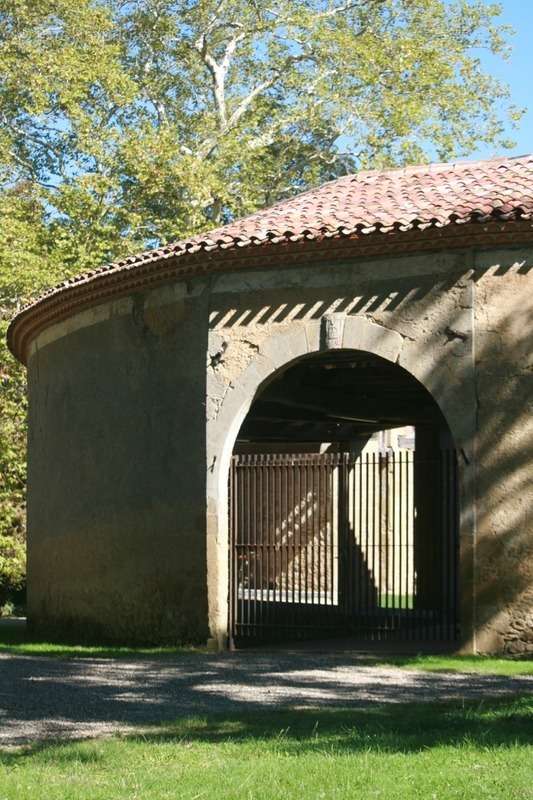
(44, 698)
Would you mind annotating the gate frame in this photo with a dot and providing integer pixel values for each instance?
(282, 348)
(250, 474)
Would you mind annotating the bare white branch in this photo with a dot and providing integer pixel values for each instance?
(218, 76)
(332, 12)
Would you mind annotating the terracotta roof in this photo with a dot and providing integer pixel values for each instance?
(418, 198)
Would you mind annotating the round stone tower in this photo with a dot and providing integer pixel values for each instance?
(142, 373)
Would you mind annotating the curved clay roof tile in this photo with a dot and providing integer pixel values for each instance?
(368, 204)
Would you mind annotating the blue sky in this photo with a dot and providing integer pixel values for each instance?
(517, 72)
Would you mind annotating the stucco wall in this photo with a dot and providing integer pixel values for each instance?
(504, 455)
(135, 406)
(117, 471)
(421, 312)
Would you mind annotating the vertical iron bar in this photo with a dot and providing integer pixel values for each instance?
(410, 579)
(293, 542)
(409, 598)
(274, 522)
(442, 456)
(327, 532)
(321, 516)
(239, 534)
(335, 542)
(283, 542)
(254, 543)
(391, 534)
(330, 541)
(456, 545)
(344, 530)
(374, 581)
(299, 543)
(385, 544)
(331, 565)
(301, 516)
(231, 569)
(283, 573)
(286, 477)
(452, 547)
(368, 576)
(248, 526)
(400, 551)
(379, 547)
(450, 536)
(347, 534)
(360, 537)
(358, 530)
(258, 544)
(279, 542)
(313, 533)
(235, 537)
(405, 584)
(238, 512)
(305, 521)
(266, 539)
(272, 516)
(410, 587)
(322, 526)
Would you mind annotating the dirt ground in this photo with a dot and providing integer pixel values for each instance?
(42, 698)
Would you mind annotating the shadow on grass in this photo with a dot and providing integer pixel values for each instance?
(17, 639)
(393, 728)
(478, 664)
(401, 728)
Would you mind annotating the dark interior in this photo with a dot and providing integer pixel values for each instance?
(336, 530)
(338, 396)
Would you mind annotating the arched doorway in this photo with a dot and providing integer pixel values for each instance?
(343, 507)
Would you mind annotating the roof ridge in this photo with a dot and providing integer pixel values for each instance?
(351, 177)
(441, 166)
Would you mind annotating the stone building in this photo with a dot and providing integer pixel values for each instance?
(270, 352)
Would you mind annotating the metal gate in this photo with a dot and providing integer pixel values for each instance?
(338, 545)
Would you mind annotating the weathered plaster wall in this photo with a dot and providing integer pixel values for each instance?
(418, 311)
(135, 407)
(504, 454)
(117, 470)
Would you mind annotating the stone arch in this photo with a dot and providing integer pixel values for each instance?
(282, 348)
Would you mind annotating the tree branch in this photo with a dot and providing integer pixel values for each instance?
(220, 69)
(218, 75)
(332, 12)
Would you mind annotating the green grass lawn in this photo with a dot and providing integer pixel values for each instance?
(14, 638)
(394, 752)
(387, 600)
(480, 664)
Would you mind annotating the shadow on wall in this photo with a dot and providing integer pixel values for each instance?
(374, 295)
(385, 298)
(503, 399)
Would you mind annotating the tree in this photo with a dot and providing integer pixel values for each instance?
(125, 123)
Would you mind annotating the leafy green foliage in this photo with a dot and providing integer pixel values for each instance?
(125, 123)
